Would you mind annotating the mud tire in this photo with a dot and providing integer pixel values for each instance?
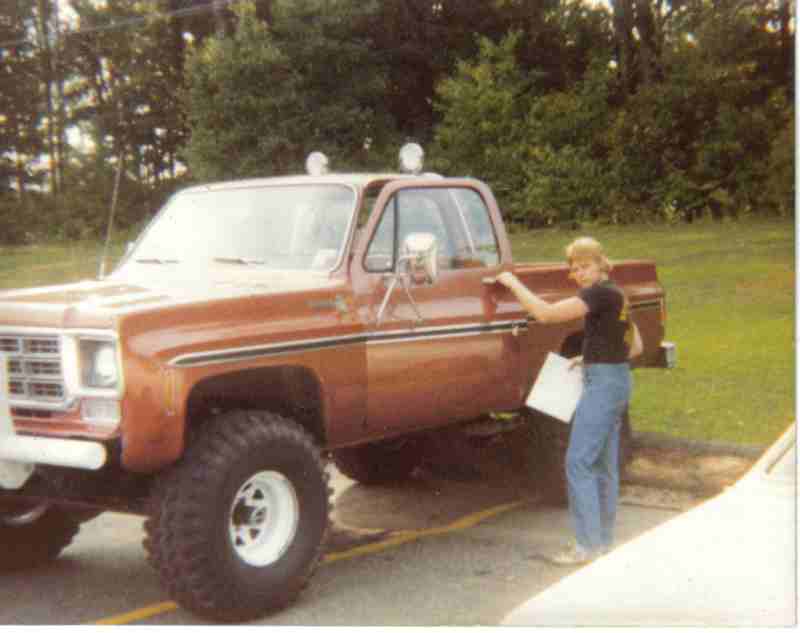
(196, 508)
(550, 442)
(380, 462)
(33, 534)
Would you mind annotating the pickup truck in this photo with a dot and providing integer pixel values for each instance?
(254, 330)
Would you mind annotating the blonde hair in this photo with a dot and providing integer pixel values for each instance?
(585, 248)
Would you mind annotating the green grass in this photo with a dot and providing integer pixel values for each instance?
(731, 311)
(51, 264)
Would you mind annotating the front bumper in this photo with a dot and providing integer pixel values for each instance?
(19, 454)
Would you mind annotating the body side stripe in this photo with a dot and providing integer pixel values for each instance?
(371, 338)
(392, 336)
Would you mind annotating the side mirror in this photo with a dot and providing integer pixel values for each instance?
(421, 252)
(419, 256)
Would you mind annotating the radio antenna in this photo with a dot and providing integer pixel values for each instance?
(102, 272)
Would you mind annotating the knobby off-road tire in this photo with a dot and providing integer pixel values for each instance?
(550, 443)
(236, 528)
(381, 462)
(32, 534)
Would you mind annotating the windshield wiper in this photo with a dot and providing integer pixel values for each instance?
(155, 260)
(240, 260)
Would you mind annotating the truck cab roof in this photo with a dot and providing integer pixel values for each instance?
(357, 180)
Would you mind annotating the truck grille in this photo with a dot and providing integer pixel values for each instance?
(34, 368)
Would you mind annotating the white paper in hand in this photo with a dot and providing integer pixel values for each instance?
(557, 388)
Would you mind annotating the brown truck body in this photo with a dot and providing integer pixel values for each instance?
(265, 338)
(254, 328)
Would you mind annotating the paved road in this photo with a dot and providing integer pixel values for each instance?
(432, 551)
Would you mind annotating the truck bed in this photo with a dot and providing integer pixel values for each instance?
(637, 278)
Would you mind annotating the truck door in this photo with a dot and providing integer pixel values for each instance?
(438, 352)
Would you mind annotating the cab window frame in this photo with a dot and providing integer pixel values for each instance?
(394, 206)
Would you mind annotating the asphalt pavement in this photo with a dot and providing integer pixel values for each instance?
(436, 550)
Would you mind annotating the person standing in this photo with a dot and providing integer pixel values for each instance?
(610, 340)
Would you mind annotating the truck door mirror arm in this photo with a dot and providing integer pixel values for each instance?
(418, 263)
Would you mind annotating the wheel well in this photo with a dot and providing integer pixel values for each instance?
(291, 391)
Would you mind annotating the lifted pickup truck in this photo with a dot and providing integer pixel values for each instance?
(256, 328)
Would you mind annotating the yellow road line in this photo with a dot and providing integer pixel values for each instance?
(407, 536)
(397, 539)
(140, 614)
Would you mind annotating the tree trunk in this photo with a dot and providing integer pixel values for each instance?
(787, 43)
(61, 107)
(649, 46)
(221, 22)
(19, 162)
(46, 68)
(623, 32)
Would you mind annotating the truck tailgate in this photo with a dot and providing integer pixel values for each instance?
(638, 279)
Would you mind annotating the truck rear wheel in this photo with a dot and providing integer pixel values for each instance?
(32, 534)
(550, 442)
(236, 528)
(381, 462)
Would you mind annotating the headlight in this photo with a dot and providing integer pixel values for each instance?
(99, 368)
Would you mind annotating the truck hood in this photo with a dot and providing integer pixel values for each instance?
(100, 303)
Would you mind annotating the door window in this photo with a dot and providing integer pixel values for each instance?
(380, 255)
(483, 242)
(457, 217)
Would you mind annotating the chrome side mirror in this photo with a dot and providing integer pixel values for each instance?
(421, 252)
(418, 263)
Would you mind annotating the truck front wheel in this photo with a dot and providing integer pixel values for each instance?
(381, 462)
(32, 534)
(236, 529)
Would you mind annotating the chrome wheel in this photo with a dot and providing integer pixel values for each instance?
(263, 518)
(237, 527)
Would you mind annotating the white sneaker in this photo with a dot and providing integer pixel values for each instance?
(573, 555)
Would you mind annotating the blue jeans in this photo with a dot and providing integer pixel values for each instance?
(593, 454)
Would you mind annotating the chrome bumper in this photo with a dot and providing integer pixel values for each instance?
(19, 454)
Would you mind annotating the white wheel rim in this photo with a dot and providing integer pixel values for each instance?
(263, 518)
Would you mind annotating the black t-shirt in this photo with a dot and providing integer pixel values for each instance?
(607, 324)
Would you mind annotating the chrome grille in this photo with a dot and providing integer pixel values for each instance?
(34, 368)
(9, 344)
(47, 345)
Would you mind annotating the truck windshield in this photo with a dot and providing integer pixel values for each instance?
(291, 227)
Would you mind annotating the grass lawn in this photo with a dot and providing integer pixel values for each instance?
(50, 264)
(731, 311)
(730, 296)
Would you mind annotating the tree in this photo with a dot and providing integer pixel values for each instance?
(699, 139)
(20, 114)
(484, 106)
(525, 124)
(242, 102)
(260, 101)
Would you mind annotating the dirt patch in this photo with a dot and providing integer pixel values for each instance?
(685, 471)
(632, 494)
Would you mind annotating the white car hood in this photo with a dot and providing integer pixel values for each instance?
(728, 562)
